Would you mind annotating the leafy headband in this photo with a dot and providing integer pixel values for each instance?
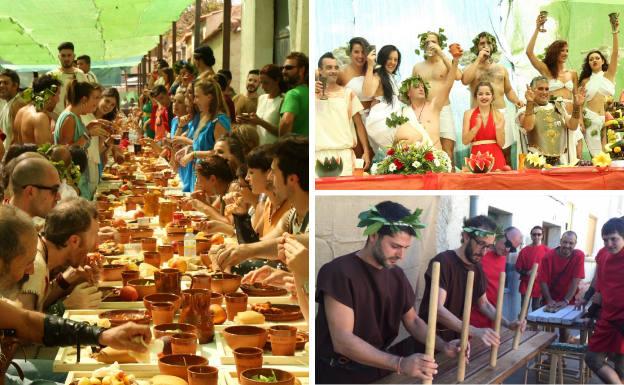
(478, 232)
(491, 39)
(423, 40)
(39, 99)
(374, 221)
(413, 81)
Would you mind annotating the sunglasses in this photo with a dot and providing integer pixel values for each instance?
(54, 189)
(288, 67)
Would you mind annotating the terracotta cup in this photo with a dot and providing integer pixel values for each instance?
(168, 281)
(148, 244)
(283, 340)
(166, 252)
(247, 358)
(234, 303)
(162, 313)
(124, 235)
(216, 298)
(152, 257)
(180, 250)
(129, 275)
(200, 281)
(184, 343)
(203, 375)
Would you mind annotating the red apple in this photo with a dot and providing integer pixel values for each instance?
(138, 214)
(128, 294)
(505, 168)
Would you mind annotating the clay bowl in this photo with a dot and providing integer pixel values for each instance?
(202, 245)
(225, 283)
(177, 364)
(245, 336)
(112, 272)
(143, 232)
(105, 214)
(143, 286)
(173, 328)
(302, 339)
(260, 290)
(283, 377)
(216, 298)
(120, 317)
(175, 299)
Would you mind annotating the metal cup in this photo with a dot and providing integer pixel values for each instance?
(613, 17)
(323, 80)
(544, 14)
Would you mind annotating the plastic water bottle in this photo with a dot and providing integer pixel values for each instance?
(190, 246)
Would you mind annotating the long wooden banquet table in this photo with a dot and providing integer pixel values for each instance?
(572, 178)
(478, 370)
(144, 176)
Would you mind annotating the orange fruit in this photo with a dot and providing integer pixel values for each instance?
(218, 314)
(217, 239)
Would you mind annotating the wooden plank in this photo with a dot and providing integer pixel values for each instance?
(448, 366)
(512, 361)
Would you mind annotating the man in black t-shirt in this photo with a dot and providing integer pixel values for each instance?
(364, 297)
(477, 238)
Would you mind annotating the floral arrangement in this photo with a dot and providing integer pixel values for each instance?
(374, 221)
(480, 162)
(412, 159)
(534, 160)
(602, 159)
(396, 120)
(423, 40)
(614, 145)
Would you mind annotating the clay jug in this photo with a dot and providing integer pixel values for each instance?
(196, 311)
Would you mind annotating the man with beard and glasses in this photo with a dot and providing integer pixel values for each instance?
(529, 255)
(494, 263)
(246, 103)
(477, 238)
(607, 339)
(363, 298)
(338, 121)
(559, 274)
(66, 73)
(294, 111)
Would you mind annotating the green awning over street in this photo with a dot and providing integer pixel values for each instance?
(109, 31)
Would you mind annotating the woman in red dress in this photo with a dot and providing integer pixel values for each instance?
(488, 137)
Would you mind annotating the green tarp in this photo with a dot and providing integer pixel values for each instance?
(112, 32)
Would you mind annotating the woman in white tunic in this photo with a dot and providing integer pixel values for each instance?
(597, 76)
(382, 84)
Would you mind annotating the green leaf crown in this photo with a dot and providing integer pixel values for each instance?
(374, 221)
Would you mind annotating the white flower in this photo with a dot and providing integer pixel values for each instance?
(373, 168)
(416, 164)
(392, 167)
(436, 162)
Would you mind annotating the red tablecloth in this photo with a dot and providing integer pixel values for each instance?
(585, 178)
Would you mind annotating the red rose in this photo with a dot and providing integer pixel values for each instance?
(390, 151)
(398, 164)
(429, 156)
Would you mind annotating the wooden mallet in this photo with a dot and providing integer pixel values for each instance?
(433, 312)
(461, 362)
(499, 316)
(525, 306)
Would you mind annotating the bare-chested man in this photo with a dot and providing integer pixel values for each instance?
(424, 108)
(483, 69)
(434, 70)
(33, 123)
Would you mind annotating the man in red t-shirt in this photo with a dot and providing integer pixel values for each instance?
(493, 264)
(528, 256)
(559, 274)
(608, 336)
